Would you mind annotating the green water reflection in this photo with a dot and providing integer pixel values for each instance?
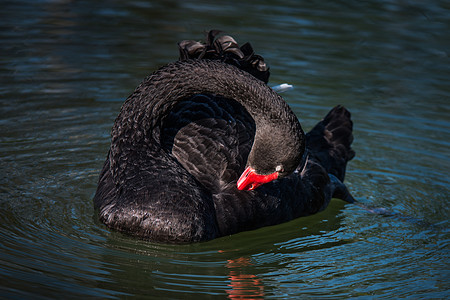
(66, 68)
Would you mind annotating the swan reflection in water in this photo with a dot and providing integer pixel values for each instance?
(242, 285)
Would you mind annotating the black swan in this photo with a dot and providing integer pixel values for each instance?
(203, 148)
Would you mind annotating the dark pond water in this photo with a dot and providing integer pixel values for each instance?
(67, 66)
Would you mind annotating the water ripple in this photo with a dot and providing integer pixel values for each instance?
(67, 66)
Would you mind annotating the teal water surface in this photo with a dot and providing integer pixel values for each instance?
(66, 68)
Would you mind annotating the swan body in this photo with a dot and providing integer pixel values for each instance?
(204, 148)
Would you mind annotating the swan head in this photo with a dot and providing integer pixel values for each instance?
(273, 156)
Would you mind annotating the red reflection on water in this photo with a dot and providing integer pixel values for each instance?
(243, 286)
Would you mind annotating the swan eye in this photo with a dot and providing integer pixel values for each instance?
(279, 168)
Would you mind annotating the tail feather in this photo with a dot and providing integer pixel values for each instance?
(329, 142)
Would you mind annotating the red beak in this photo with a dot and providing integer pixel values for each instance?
(250, 180)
